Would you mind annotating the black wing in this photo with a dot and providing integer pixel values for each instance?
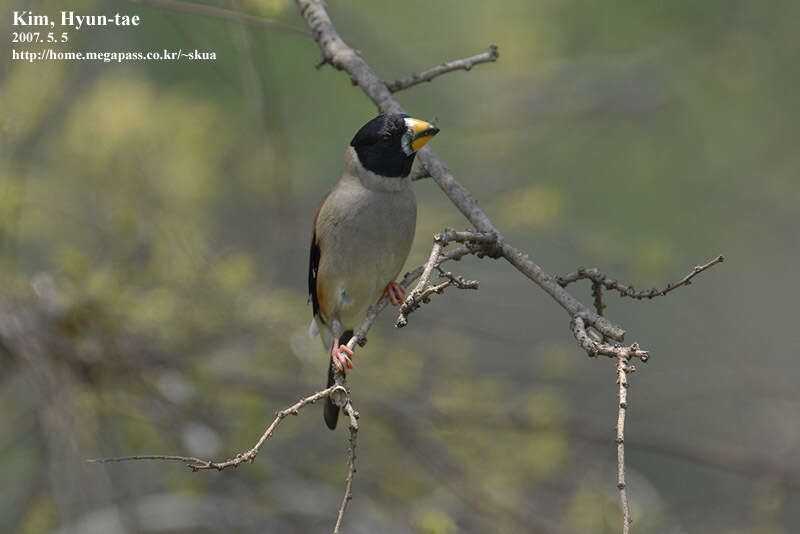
(313, 263)
(313, 267)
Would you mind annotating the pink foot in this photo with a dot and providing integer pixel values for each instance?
(341, 356)
(396, 292)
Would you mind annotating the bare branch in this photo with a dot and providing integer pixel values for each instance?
(196, 464)
(622, 386)
(424, 296)
(221, 13)
(413, 298)
(419, 173)
(489, 56)
(467, 236)
(628, 291)
(457, 281)
(168, 457)
(351, 465)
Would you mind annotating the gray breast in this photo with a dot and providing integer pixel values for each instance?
(371, 232)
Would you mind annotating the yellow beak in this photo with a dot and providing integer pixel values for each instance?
(423, 132)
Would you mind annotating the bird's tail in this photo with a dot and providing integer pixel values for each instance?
(331, 410)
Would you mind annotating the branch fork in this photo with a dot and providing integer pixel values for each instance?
(478, 243)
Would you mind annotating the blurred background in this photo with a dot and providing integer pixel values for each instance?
(154, 228)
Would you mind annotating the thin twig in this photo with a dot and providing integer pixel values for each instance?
(622, 385)
(351, 465)
(628, 291)
(221, 13)
(456, 280)
(196, 464)
(412, 300)
(424, 296)
(167, 457)
(419, 173)
(489, 56)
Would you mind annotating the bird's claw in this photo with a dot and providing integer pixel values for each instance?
(341, 357)
(396, 292)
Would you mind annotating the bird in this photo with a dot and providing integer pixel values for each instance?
(362, 234)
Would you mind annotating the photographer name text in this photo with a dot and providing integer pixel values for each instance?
(72, 20)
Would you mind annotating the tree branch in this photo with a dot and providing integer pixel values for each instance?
(444, 67)
(419, 173)
(196, 464)
(622, 392)
(351, 465)
(599, 279)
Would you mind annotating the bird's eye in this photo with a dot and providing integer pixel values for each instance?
(386, 139)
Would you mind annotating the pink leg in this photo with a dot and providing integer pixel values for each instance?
(396, 292)
(341, 356)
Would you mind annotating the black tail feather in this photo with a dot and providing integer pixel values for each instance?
(331, 410)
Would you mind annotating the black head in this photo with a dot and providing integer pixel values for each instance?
(387, 144)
